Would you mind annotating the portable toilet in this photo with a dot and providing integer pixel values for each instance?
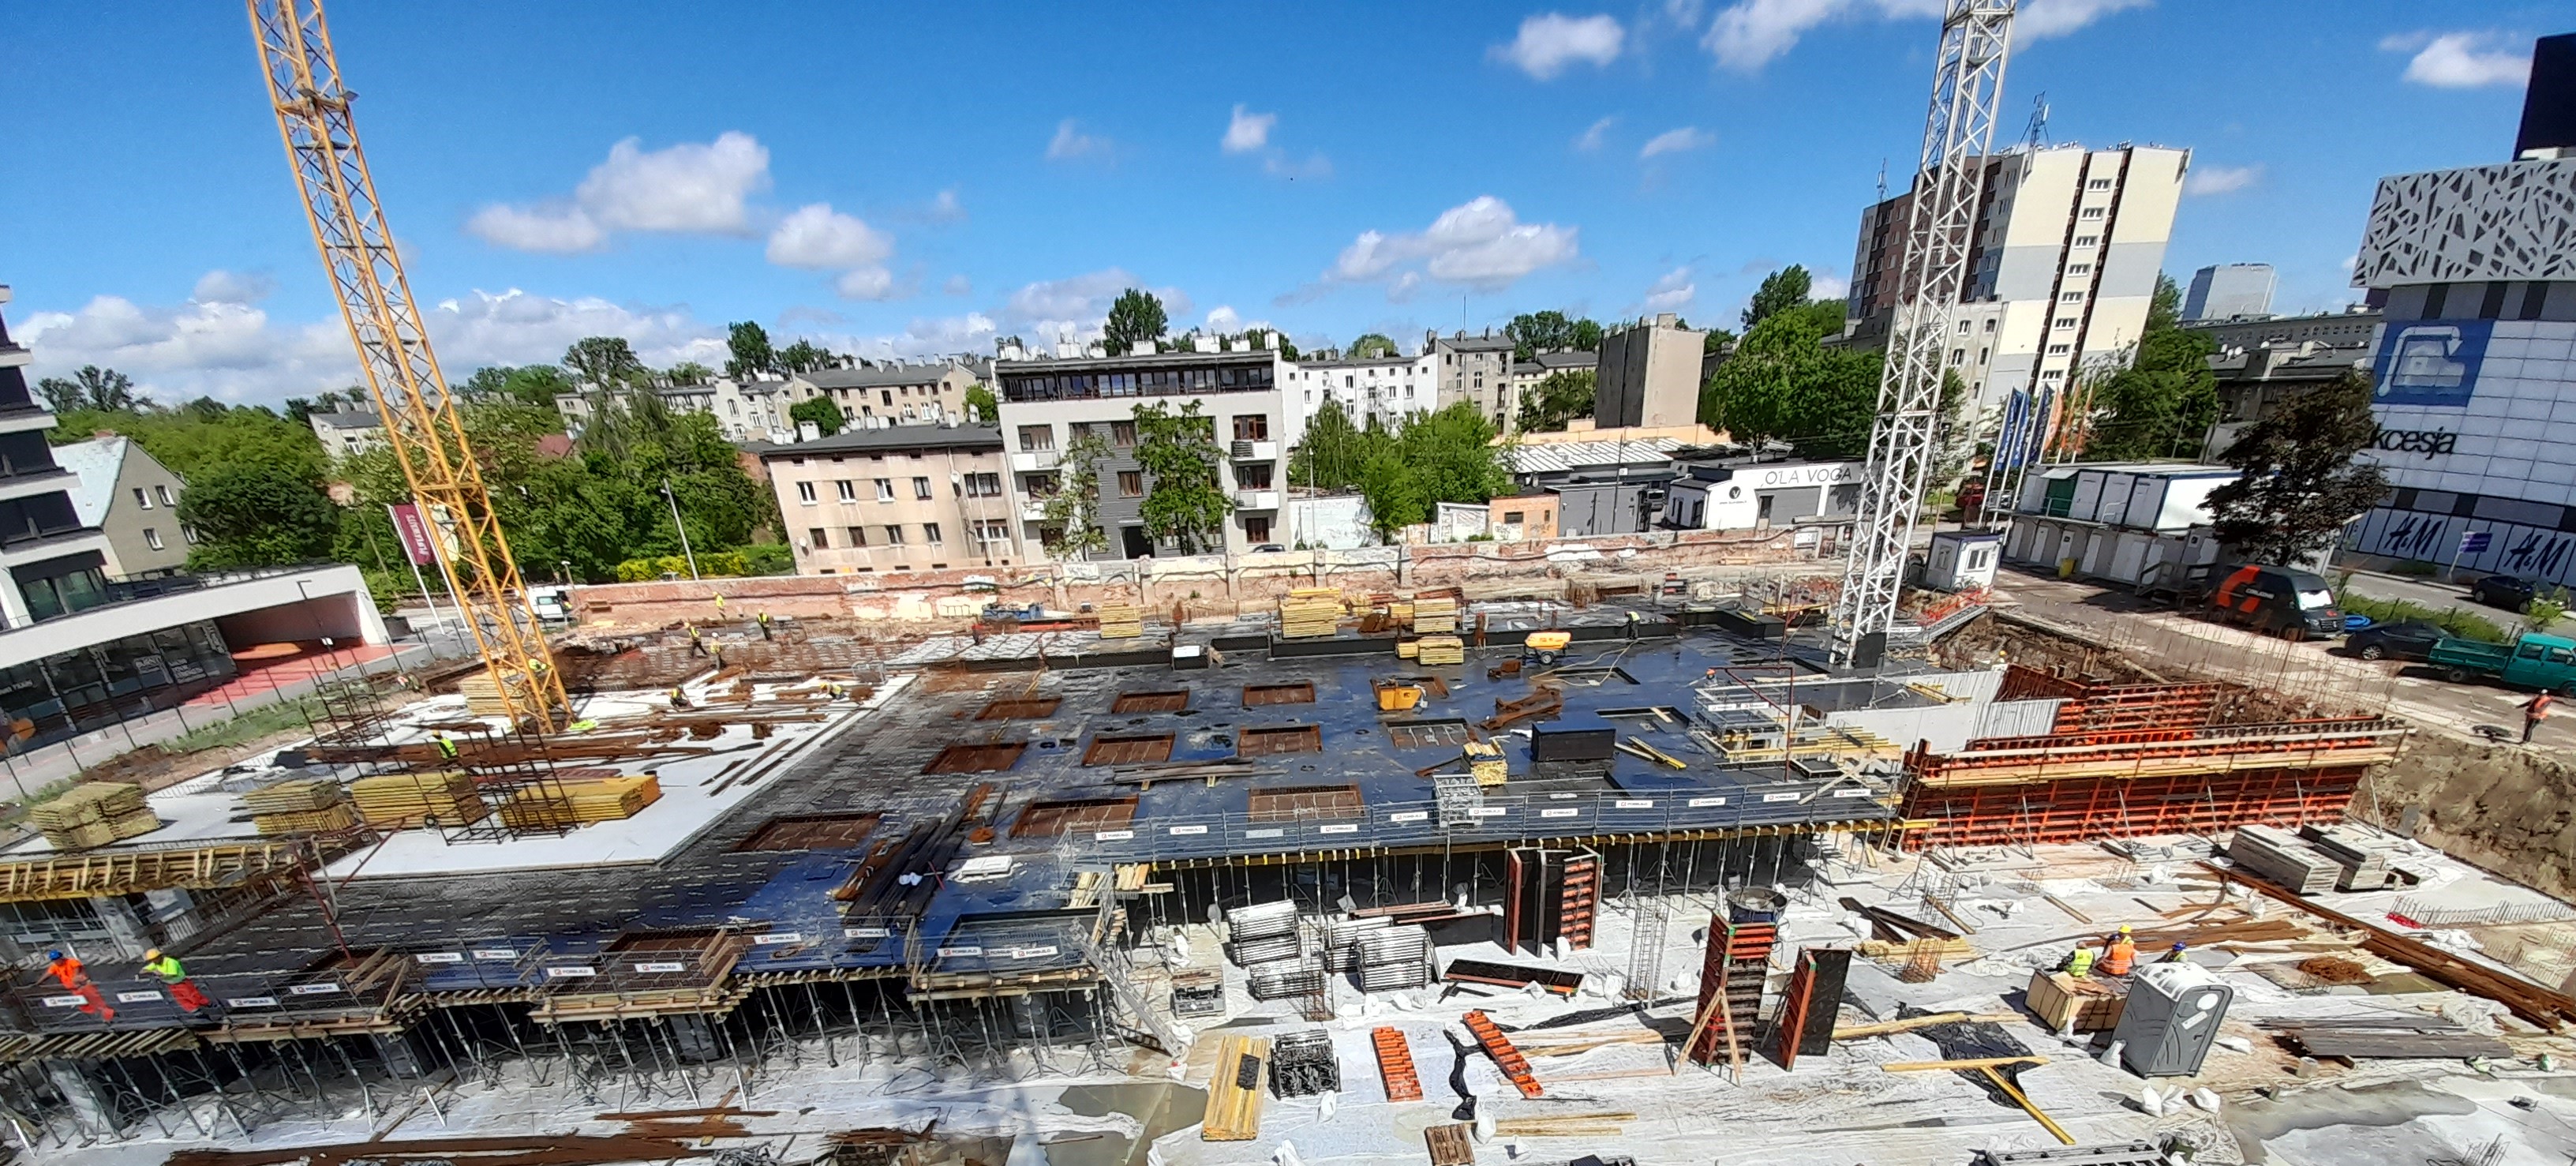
(2170, 1019)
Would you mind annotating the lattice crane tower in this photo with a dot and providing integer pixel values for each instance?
(1976, 37)
(422, 423)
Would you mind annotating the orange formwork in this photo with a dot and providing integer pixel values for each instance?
(2093, 707)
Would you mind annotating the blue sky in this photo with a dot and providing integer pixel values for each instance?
(918, 178)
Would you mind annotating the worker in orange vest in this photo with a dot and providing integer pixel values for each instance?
(2120, 953)
(75, 980)
(2535, 711)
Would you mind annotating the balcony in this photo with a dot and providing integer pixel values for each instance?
(1032, 460)
(1256, 451)
(1256, 499)
(1033, 510)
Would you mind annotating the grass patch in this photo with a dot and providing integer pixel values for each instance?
(2466, 625)
(257, 723)
(2417, 568)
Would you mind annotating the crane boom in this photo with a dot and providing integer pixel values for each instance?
(1976, 38)
(423, 426)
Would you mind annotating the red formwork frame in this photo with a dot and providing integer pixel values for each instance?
(2088, 706)
(2085, 809)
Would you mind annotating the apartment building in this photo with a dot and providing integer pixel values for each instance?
(1527, 375)
(896, 499)
(924, 392)
(2230, 291)
(1475, 369)
(1649, 375)
(131, 498)
(349, 432)
(1046, 403)
(1382, 389)
(2062, 266)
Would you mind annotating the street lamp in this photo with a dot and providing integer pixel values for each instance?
(683, 528)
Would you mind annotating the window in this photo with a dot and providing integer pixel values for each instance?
(2087, 240)
(142, 499)
(1256, 528)
(2069, 321)
(1981, 355)
(188, 533)
(894, 535)
(2057, 349)
(816, 536)
(886, 397)
(1958, 356)
(2079, 269)
(1122, 434)
(990, 532)
(1131, 483)
(921, 489)
(2091, 212)
(1034, 437)
(164, 493)
(983, 485)
(152, 538)
(1964, 325)
(1513, 517)
(1255, 476)
(805, 493)
(2073, 297)
(2098, 184)
(885, 489)
(858, 536)
(1252, 427)
(2053, 374)
(849, 490)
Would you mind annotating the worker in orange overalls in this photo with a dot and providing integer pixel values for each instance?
(67, 969)
(2120, 954)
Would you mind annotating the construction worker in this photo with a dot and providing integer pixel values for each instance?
(837, 690)
(2535, 711)
(446, 747)
(2120, 953)
(2079, 963)
(175, 977)
(75, 980)
(679, 699)
(2180, 954)
(697, 647)
(764, 625)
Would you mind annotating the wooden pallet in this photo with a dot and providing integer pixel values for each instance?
(1395, 1065)
(1234, 1090)
(1450, 1145)
(1515, 1067)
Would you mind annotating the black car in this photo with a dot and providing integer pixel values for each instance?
(2503, 591)
(2411, 639)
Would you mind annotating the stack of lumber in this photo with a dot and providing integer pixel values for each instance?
(1442, 650)
(94, 814)
(2386, 1035)
(605, 799)
(399, 801)
(1233, 1111)
(1121, 621)
(1310, 611)
(2281, 859)
(2363, 854)
(1486, 763)
(300, 806)
(1435, 613)
(482, 696)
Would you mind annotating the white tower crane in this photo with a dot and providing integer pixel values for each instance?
(1976, 37)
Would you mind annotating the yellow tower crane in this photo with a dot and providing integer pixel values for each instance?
(422, 423)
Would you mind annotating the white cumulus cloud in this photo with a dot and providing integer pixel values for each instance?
(1076, 305)
(2221, 179)
(1672, 293)
(868, 283)
(1749, 34)
(1551, 41)
(2463, 60)
(685, 188)
(1481, 244)
(231, 287)
(1677, 141)
(1248, 131)
(818, 238)
(1070, 143)
(1590, 139)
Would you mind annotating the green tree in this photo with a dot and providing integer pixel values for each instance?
(1394, 493)
(1256, 338)
(1558, 399)
(2164, 309)
(62, 395)
(1372, 346)
(535, 384)
(604, 362)
(825, 415)
(256, 514)
(2161, 405)
(1452, 454)
(804, 356)
(1071, 518)
(1715, 340)
(752, 356)
(690, 372)
(1783, 383)
(1184, 502)
(1587, 335)
(982, 408)
(1333, 451)
(1532, 333)
(202, 434)
(2298, 485)
(1136, 318)
(1781, 290)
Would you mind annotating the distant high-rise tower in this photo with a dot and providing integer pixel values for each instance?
(2229, 291)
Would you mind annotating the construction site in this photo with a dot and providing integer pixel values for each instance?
(1733, 868)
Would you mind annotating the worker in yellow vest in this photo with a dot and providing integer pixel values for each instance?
(2079, 963)
(2120, 954)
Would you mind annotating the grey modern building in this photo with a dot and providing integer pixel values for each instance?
(1648, 375)
(1602, 487)
(2355, 325)
(2229, 291)
(1046, 403)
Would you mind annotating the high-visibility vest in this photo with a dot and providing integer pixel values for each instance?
(2117, 958)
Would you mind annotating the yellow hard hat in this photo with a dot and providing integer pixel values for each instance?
(2124, 929)
(153, 954)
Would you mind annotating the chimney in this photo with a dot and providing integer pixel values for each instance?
(808, 431)
(1666, 320)
(102, 434)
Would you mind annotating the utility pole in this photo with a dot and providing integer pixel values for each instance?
(682, 527)
(1976, 38)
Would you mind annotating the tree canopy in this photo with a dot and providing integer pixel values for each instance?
(604, 362)
(1550, 331)
(90, 387)
(1372, 346)
(752, 356)
(982, 408)
(825, 415)
(2162, 404)
(1558, 399)
(1184, 501)
(1780, 291)
(535, 384)
(1136, 318)
(2298, 485)
(804, 356)
(258, 513)
(1784, 383)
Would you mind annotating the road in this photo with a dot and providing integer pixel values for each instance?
(2316, 671)
(2429, 593)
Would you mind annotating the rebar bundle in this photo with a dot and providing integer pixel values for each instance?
(1302, 1065)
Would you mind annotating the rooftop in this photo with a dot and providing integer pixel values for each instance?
(1557, 457)
(894, 437)
(869, 378)
(95, 464)
(354, 419)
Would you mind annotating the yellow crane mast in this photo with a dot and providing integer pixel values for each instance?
(422, 423)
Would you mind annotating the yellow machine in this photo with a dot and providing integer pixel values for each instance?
(1397, 696)
(1545, 647)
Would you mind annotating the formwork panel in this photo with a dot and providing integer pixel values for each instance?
(1257, 695)
(1067, 816)
(1131, 749)
(1167, 701)
(1279, 739)
(2088, 809)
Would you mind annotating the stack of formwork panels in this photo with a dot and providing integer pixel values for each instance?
(1288, 979)
(1262, 933)
(1342, 939)
(1435, 612)
(1393, 959)
(402, 800)
(1120, 621)
(94, 814)
(1738, 964)
(1310, 611)
(2362, 853)
(1436, 650)
(2278, 857)
(300, 806)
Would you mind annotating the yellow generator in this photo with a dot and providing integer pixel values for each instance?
(1545, 647)
(1396, 696)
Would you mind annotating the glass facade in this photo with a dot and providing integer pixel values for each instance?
(59, 587)
(89, 688)
(1143, 381)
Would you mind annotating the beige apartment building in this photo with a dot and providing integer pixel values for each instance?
(902, 498)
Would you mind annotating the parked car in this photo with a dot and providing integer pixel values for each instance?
(1269, 549)
(2409, 639)
(2503, 591)
(2281, 601)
